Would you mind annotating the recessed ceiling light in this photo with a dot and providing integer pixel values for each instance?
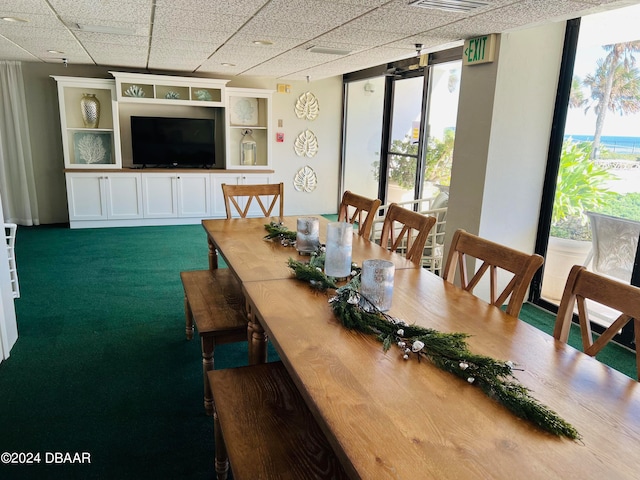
(225, 64)
(55, 51)
(14, 19)
(262, 42)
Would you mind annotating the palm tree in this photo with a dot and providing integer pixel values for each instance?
(614, 86)
(576, 96)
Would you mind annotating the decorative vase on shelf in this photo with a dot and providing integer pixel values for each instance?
(90, 108)
(247, 148)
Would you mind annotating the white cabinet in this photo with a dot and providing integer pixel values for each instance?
(87, 147)
(236, 179)
(183, 195)
(103, 196)
(248, 113)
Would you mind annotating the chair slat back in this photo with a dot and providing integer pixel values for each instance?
(583, 285)
(356, 208)
(495, 258)
(413, 231)
(266, 195)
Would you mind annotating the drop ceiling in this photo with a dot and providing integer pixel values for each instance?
(216, 37)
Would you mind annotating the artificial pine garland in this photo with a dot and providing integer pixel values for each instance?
(447, 351)
(278, 230)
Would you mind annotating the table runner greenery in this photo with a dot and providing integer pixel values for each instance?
(447, 351)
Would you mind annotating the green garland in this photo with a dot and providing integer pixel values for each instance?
(447, 351)
(278, 230)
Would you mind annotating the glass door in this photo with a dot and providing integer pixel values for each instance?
(442, 113)
(405, 145)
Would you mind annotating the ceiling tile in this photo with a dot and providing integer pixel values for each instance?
(185, 35)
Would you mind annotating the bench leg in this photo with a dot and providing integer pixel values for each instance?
(221, 458)
(207, 364)
(188, 316)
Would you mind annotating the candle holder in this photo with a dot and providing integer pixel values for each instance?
(308, 235)
(377, 283)
(337, 261)
(248, 148)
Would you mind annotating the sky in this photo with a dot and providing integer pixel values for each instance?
(597, 30)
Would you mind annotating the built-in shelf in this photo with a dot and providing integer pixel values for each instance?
(164, 89)
(83, 147)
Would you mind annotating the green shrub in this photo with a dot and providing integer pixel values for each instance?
(581, 186)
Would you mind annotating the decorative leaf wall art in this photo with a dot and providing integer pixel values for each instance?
(306, 145)
(305, 180)
(307, 107)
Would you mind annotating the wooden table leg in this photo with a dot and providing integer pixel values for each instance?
(257, 341)
(188, 315)
(207, 364)
(221, 457)
(213, 255)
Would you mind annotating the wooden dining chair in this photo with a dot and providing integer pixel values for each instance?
(494, 257)
(406, 230)
(264, 194)
(356, 208)
(583, 285)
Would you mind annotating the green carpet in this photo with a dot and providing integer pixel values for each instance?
(612, 354)
(102, 364)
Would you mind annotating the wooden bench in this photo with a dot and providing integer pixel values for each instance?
(264, 428)
(213, 300)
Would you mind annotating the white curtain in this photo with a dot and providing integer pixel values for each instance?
(17, 181)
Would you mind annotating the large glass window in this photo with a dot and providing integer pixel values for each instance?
(364, 108)
(596, 209)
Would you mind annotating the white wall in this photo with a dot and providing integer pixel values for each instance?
(326, 163)
(502, 135)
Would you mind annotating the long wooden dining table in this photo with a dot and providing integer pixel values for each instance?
(387, 417)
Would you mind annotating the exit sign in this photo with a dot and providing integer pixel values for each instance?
(479, 50)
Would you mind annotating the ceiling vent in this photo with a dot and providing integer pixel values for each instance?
(459, 6)
(105, 29)
(329, 51)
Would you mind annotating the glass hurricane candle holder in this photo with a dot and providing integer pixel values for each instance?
(337, 261)
(377, 283)
(308, 235)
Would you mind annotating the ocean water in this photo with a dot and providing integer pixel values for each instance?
(615, 144)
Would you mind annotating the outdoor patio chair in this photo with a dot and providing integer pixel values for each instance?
(583, 285)
(614, 243)
(519, 265)
(433, 254)
(407, 230)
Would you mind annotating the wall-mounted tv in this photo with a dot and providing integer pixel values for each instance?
(173, 142)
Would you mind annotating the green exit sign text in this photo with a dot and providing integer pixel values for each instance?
(479, 50)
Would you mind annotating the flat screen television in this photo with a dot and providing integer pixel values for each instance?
(173, 142)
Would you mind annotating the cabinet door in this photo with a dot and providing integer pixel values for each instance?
(160, 197)
(217, 180)
(124, 196)
(194, 195)
(236, 179)
(86, 196)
